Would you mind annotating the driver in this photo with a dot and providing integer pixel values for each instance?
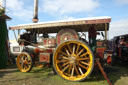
(45, 35)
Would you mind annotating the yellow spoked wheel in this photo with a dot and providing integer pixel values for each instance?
(39, 64)
(73, 60)
(24, 62)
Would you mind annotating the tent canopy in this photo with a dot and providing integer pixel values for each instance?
(5, 17)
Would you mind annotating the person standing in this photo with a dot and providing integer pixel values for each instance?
(120, 44)
(92, 36)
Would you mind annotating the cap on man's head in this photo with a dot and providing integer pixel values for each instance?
(122, 37)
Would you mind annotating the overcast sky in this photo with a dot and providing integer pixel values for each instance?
(21, 12)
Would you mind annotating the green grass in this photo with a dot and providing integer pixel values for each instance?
(40, 76)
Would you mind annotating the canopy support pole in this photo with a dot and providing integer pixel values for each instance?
(105, 32)
(15, 35)
(19, 34)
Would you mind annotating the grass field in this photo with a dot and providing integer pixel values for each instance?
(40, 76)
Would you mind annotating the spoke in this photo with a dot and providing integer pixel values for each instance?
(26, 58)
(82, 66)
(74, 49)
(67, 52)
(29, 63)
(63, 53)
(22, 57)
(84, 63)
(80, 71)
(69, 48)
(83, 59)
(80, 52)
(65, 63)
(77, 49)
(70, 67)
(72, 71)
(65, 68)
(64, 57)
(60, 61)
(26, 67)
(76, 70)
(84, 54)
(20, 61)
(22, 65)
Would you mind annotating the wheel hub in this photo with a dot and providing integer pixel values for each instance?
(24, 62)
(72, 60)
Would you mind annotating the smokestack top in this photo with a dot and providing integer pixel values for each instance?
(35, 17)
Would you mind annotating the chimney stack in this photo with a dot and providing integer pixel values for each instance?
(35, 18)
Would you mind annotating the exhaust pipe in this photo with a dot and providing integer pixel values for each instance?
(35, 20)
(35, 17)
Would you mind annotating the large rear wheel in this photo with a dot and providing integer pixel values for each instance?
(73, 60)
(24, 62)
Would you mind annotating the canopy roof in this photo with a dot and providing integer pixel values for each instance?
(80, 25)
(125, 35)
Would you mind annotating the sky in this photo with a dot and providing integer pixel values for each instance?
(21, 12)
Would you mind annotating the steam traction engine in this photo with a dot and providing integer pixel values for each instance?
(69, 53)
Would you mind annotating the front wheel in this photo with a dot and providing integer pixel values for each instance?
(73, 60)
(24, 62)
